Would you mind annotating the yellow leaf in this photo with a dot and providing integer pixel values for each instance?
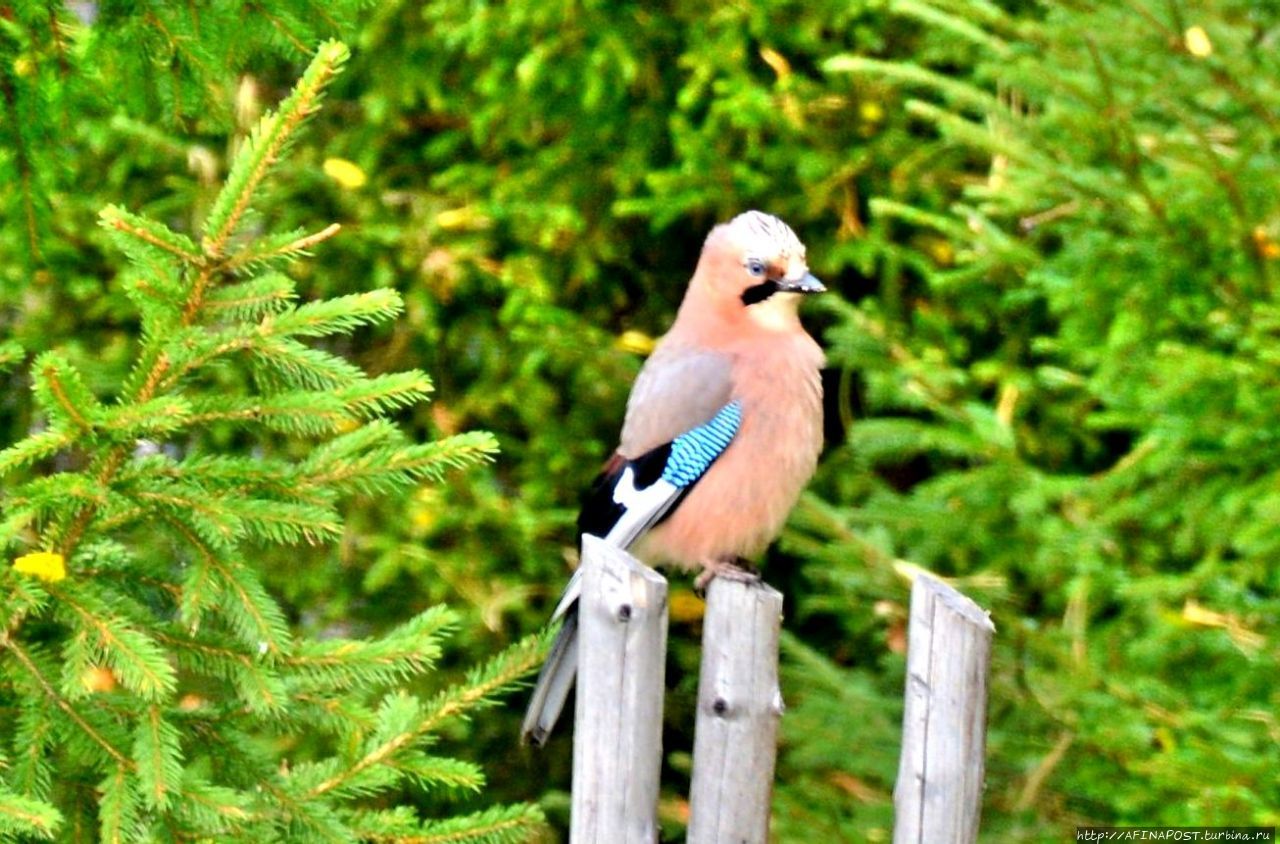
(248, 102)
(1197, 41)
(636, 342)
(49, 566)
(1247, 640)
(940, 251)
(462, 218)
(1200, 615)
(683, 606)
(346, 173)
(870, 111)
(203, 163)
(424, 509)
(777, 61)
(1007, 403)
(1266, 247)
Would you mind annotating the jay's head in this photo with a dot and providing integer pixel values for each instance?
(756, 263)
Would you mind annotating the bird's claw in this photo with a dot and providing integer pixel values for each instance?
(735, 569)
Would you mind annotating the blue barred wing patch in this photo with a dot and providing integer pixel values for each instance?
(693, 452)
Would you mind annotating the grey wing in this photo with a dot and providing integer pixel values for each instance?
(678, 389)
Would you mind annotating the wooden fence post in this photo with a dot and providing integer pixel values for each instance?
(938, 796)
(617, 742)
(739, 706)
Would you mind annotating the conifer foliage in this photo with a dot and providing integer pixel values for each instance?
(1072, 410)
(151, 686)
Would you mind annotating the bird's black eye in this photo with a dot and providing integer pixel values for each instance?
(755, 267)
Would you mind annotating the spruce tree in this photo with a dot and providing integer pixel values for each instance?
(1070, 407)
(153, 689)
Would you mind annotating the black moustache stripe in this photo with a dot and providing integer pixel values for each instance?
(759, 292)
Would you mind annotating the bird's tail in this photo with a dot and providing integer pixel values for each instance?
(558, 672)
(554, 682)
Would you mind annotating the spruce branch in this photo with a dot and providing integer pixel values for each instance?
(139, 231)
(272, 248)
(282, 362)
(334, 316)
(499, 825)
(299, 412)
(158, 417)
(248, 609)
(371, 397)
(32, 769)
(49, 496)
(61, 392)
(1124, 143)
(481, 683)
(957, 24)
(220, 810)
(105, 637)
(435, 771)
(252, 299)
(21, 815)
(11, 354)
(1093, 183)
(118, 807)
(32, 194)
(403, 652)
(157, 757)
(961, 93)
(266, 144)
(374, 459)
(258, 684)
(28, 663)
(34, 448)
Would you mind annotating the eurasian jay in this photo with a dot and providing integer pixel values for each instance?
(722, 431)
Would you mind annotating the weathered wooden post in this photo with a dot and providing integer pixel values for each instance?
(938, 796)
(739, 706)
(617, 743)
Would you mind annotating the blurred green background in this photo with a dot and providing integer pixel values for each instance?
(1053, 230)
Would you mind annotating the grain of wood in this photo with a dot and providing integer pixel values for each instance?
(938, 796)
(739, 707)
(617, 744)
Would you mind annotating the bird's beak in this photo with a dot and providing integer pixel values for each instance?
(806, 284)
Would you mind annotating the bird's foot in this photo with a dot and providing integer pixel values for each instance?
(730, 568)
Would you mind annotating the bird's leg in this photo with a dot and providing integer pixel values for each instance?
(730, 568)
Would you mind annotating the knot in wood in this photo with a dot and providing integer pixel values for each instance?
(720, 707)
(624, 613)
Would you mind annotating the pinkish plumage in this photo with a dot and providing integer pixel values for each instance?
(716, 351)
(737, 338)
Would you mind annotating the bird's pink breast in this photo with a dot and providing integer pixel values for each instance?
(739, 506)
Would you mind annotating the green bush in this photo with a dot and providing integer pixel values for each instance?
(1075, 407)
